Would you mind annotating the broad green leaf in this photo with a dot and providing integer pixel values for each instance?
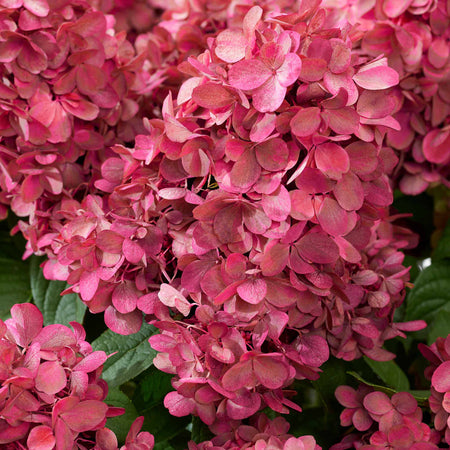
(120, 424)
(377, 387)
(440, 327)
(333, 375)
(47, 297)
(14, 284)
(431, 294)
(200, 431)
(152, 387)
(133, 356)
(442, 250)
(390, 373)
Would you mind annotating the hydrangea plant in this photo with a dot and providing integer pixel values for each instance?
(217, 195)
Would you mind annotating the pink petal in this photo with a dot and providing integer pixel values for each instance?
(109, 241)
(334, 82)
(173, 298)
(124, 297)
(245, 171)
(41, 438)
(289, 71)
(132, 251)
(255, 220)
(90, 79)
(375, 105)
(178, 405)
(269, 96)
(230, 45)
(270, 372)
(318, 248)
(55, 337)
(27, 323)
(362, 420)
(278, 205)
(241, 407)
(313, 69)
(393, 8)
(79, 107)
(375, 76)
(91, 362)
(349, 192)
(238, 376)
(332, 218)
(441, 377)
(272, 155)
(252, 291)
(377, 403)
(249, 74)
(342, 121)
(85, 416)
(275, 259)
(124, 324)
(31, 188)
(301, 205)
(347, 397)
(436, 146)
(306, 122)
(51, 377)
(332, 160)
(88, 285)
(212, 96)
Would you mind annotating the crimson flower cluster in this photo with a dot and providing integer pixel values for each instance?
(260, 434)
(51, 393)
(438, 372)
(382, 421)
(415, 38)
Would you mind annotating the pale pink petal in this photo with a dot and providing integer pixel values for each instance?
(230, 45)
(212, 96)
(252, 291)
(269, 96)
(332, 160)
(249, 74)
(239, 375)
(318, 248)
(123, 323)
(272, 155)
(26, 323)
(51, 377)
(289, 71)
(275, 259)
(306, 122)
(278, 205)
(332, 218)
(270, 372)
(441, 377)
(376, 76)
(86, 415)
(41, 438)
(245, 171)
(132, 251)
(436, 146)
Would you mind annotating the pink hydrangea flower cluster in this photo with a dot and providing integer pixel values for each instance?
(70, 89)
(382, 421)
(439, 373)
(415, 38)
(260, 434)
(51, 393)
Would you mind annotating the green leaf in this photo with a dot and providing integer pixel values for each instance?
(440, 327)
(120, 424)
(442, 250)
(47, 297)
(333, 375)
(152, 387)
(134, 354)
(390, 373)
(420, 396)
(14, 284)
(431, 294)
(200, 431)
